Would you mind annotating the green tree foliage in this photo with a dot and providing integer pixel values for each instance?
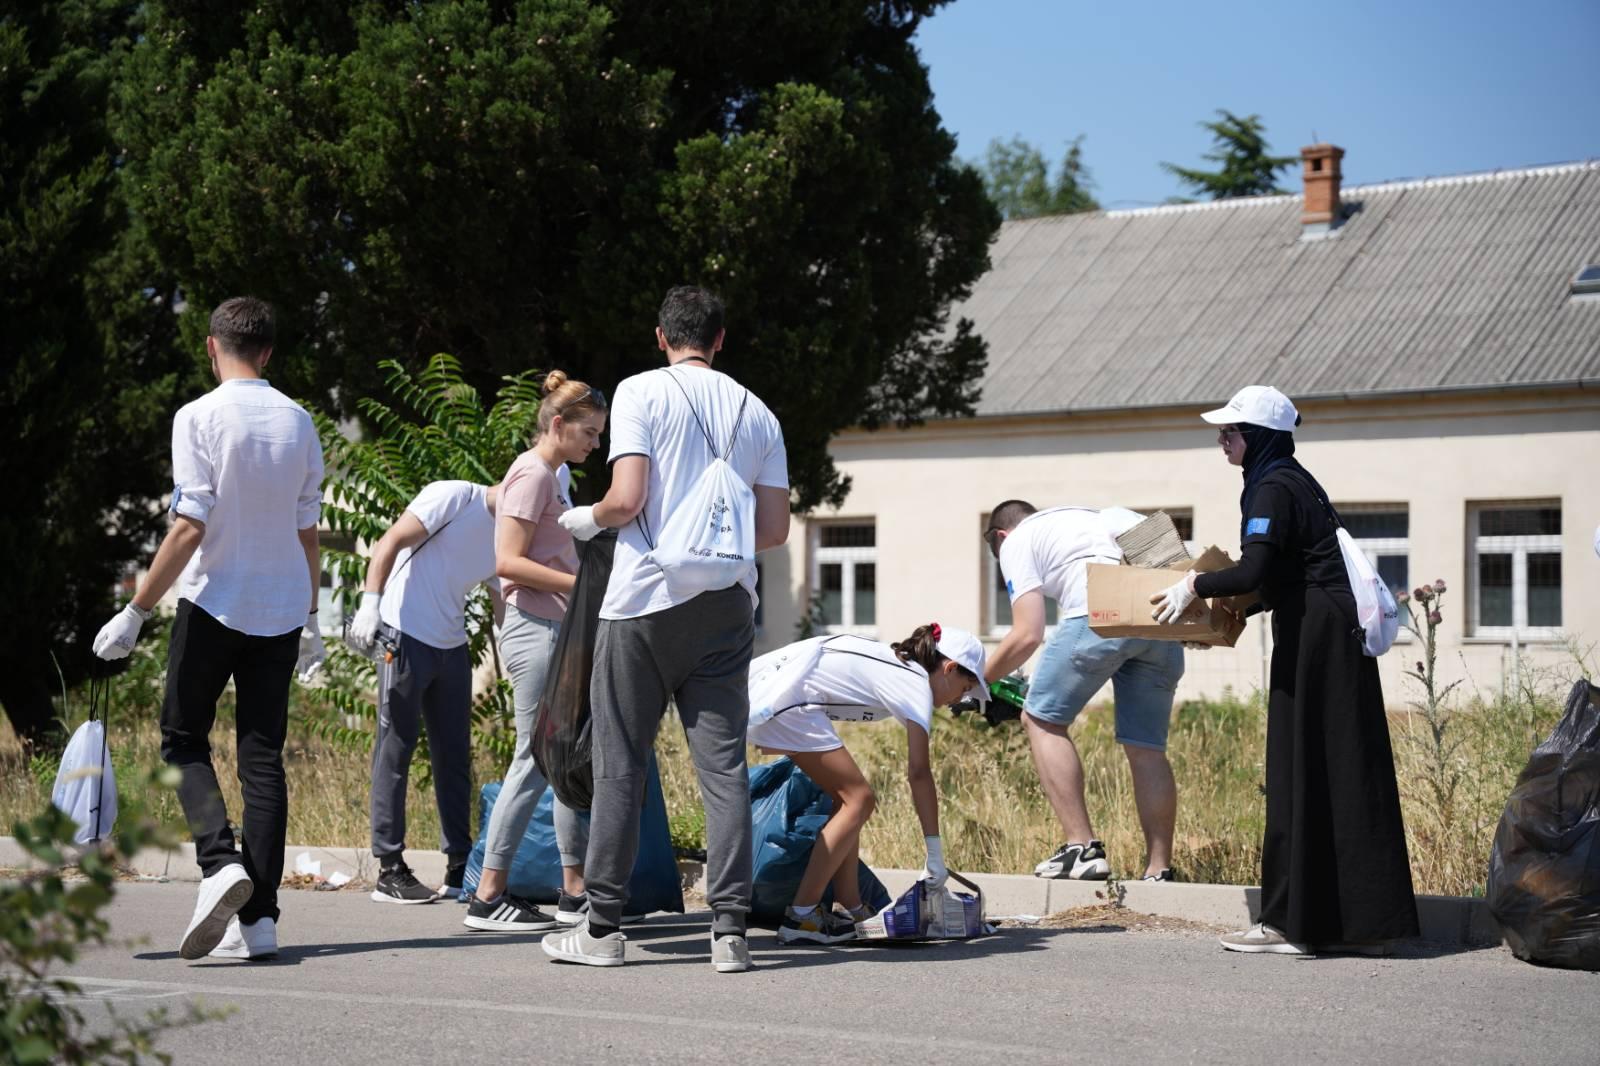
(1244, 165)
(46, 918)
(438, 429)
(519, 181)
(1018, 180)
(90, 370)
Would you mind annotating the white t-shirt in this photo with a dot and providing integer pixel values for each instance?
(853, 679)
(1049, 549)
(246, 461)
(652, 416)
(426, 597)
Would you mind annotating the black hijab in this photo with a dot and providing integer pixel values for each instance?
(1266, 450)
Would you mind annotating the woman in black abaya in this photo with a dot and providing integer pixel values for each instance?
(1334, 870)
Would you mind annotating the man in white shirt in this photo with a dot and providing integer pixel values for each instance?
(414, 603)
(1045, 553)
(246, 497)
(659, 638)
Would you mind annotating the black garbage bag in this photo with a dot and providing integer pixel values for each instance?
(1544, 871)
(561, 744)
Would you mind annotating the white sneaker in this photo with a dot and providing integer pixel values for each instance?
(1261, 939)
(1076, 862)
(256, 941)
(221, 896)
(730, 954)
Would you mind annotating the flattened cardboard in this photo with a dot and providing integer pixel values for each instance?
(1119, 603)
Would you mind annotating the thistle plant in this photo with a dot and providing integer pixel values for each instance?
(1423, 616)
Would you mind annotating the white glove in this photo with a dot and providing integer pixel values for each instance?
(1195, 645)
(312, 652)
(364, 626)
(1171, 604)
(116, 638)
(933, 870)
(579, 521)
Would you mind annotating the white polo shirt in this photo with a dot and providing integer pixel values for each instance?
(1049, 550)
(246, 461)
(426, 596)
(652, 416)
(798, 691)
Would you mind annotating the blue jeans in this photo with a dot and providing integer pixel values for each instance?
(1077, 663)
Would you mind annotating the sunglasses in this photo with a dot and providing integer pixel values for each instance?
(593, 397)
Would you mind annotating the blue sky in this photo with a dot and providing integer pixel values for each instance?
(1408, 88)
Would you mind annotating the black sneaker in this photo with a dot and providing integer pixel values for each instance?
(1164, 874)
(508, 914)
(821, 926)
(397, 884)
(1076, 862)
(454, 875)
(571, 909)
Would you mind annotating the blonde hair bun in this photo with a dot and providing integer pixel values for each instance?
(553, 381)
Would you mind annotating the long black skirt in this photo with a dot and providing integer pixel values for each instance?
(1334, 867)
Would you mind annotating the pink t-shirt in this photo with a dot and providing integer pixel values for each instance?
(531, 491)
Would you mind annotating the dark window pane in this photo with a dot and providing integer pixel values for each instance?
(1002, 601)
(849, 536)
(1520, 522)
(1544, 588)
(1393, 569)
(866, 594)
(1370, 525)
(832, 594)
(1184, 524)
(1494, 590)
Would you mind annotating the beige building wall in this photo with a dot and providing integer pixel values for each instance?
(928, 490)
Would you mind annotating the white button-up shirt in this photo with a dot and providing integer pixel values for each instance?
(246, 461)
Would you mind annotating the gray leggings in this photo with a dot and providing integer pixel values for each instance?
(527, 646)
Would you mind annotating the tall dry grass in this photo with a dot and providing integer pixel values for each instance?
(995, 817)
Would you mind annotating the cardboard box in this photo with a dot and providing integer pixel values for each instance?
(1119, 603)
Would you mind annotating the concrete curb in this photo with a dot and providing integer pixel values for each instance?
(1445, 919)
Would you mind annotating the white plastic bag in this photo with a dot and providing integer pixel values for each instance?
(1376, 610)
(86, 787)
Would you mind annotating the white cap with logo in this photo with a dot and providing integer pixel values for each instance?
(965, 650)
(1257, 405)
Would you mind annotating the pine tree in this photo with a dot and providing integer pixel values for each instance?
(1245, 168)
(1018, 180)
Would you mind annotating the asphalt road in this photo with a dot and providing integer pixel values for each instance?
(359, 982)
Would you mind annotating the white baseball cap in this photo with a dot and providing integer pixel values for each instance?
(964, 649)
(1257, 405)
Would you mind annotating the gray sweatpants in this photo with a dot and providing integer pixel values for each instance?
(420, 684)
(527, 647)
(698, 652)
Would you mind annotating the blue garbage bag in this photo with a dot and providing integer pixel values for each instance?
(787, 810)
(535, 872)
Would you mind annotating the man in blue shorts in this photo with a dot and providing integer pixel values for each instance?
(1044, 553)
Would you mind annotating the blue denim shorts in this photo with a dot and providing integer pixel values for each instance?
(1076, 664)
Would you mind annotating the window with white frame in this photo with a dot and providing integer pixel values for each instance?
(1383, 532)
(844, 576)
(1514, 568)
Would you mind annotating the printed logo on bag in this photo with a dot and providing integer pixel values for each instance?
(1257, 525)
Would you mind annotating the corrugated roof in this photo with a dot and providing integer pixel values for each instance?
(1439, 283)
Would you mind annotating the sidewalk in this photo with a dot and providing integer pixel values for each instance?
(1447, 920)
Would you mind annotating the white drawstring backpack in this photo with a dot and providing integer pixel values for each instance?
(709, 541)
(1376, 610)
(86, 787)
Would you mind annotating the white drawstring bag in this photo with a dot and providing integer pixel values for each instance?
(709, 541)
(86, 787)
(1376, 610)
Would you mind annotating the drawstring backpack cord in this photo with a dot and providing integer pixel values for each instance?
(99, 705)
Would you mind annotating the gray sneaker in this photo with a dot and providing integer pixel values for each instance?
(576, 945)
(730, 954)
(1261, 939)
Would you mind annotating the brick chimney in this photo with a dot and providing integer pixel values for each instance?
(1320, 169)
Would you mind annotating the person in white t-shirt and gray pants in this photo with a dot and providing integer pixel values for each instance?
(1045, 553)
(413, 606)
(669, 427)
(243, 552)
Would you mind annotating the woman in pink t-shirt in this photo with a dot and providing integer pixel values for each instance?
(536, 561)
